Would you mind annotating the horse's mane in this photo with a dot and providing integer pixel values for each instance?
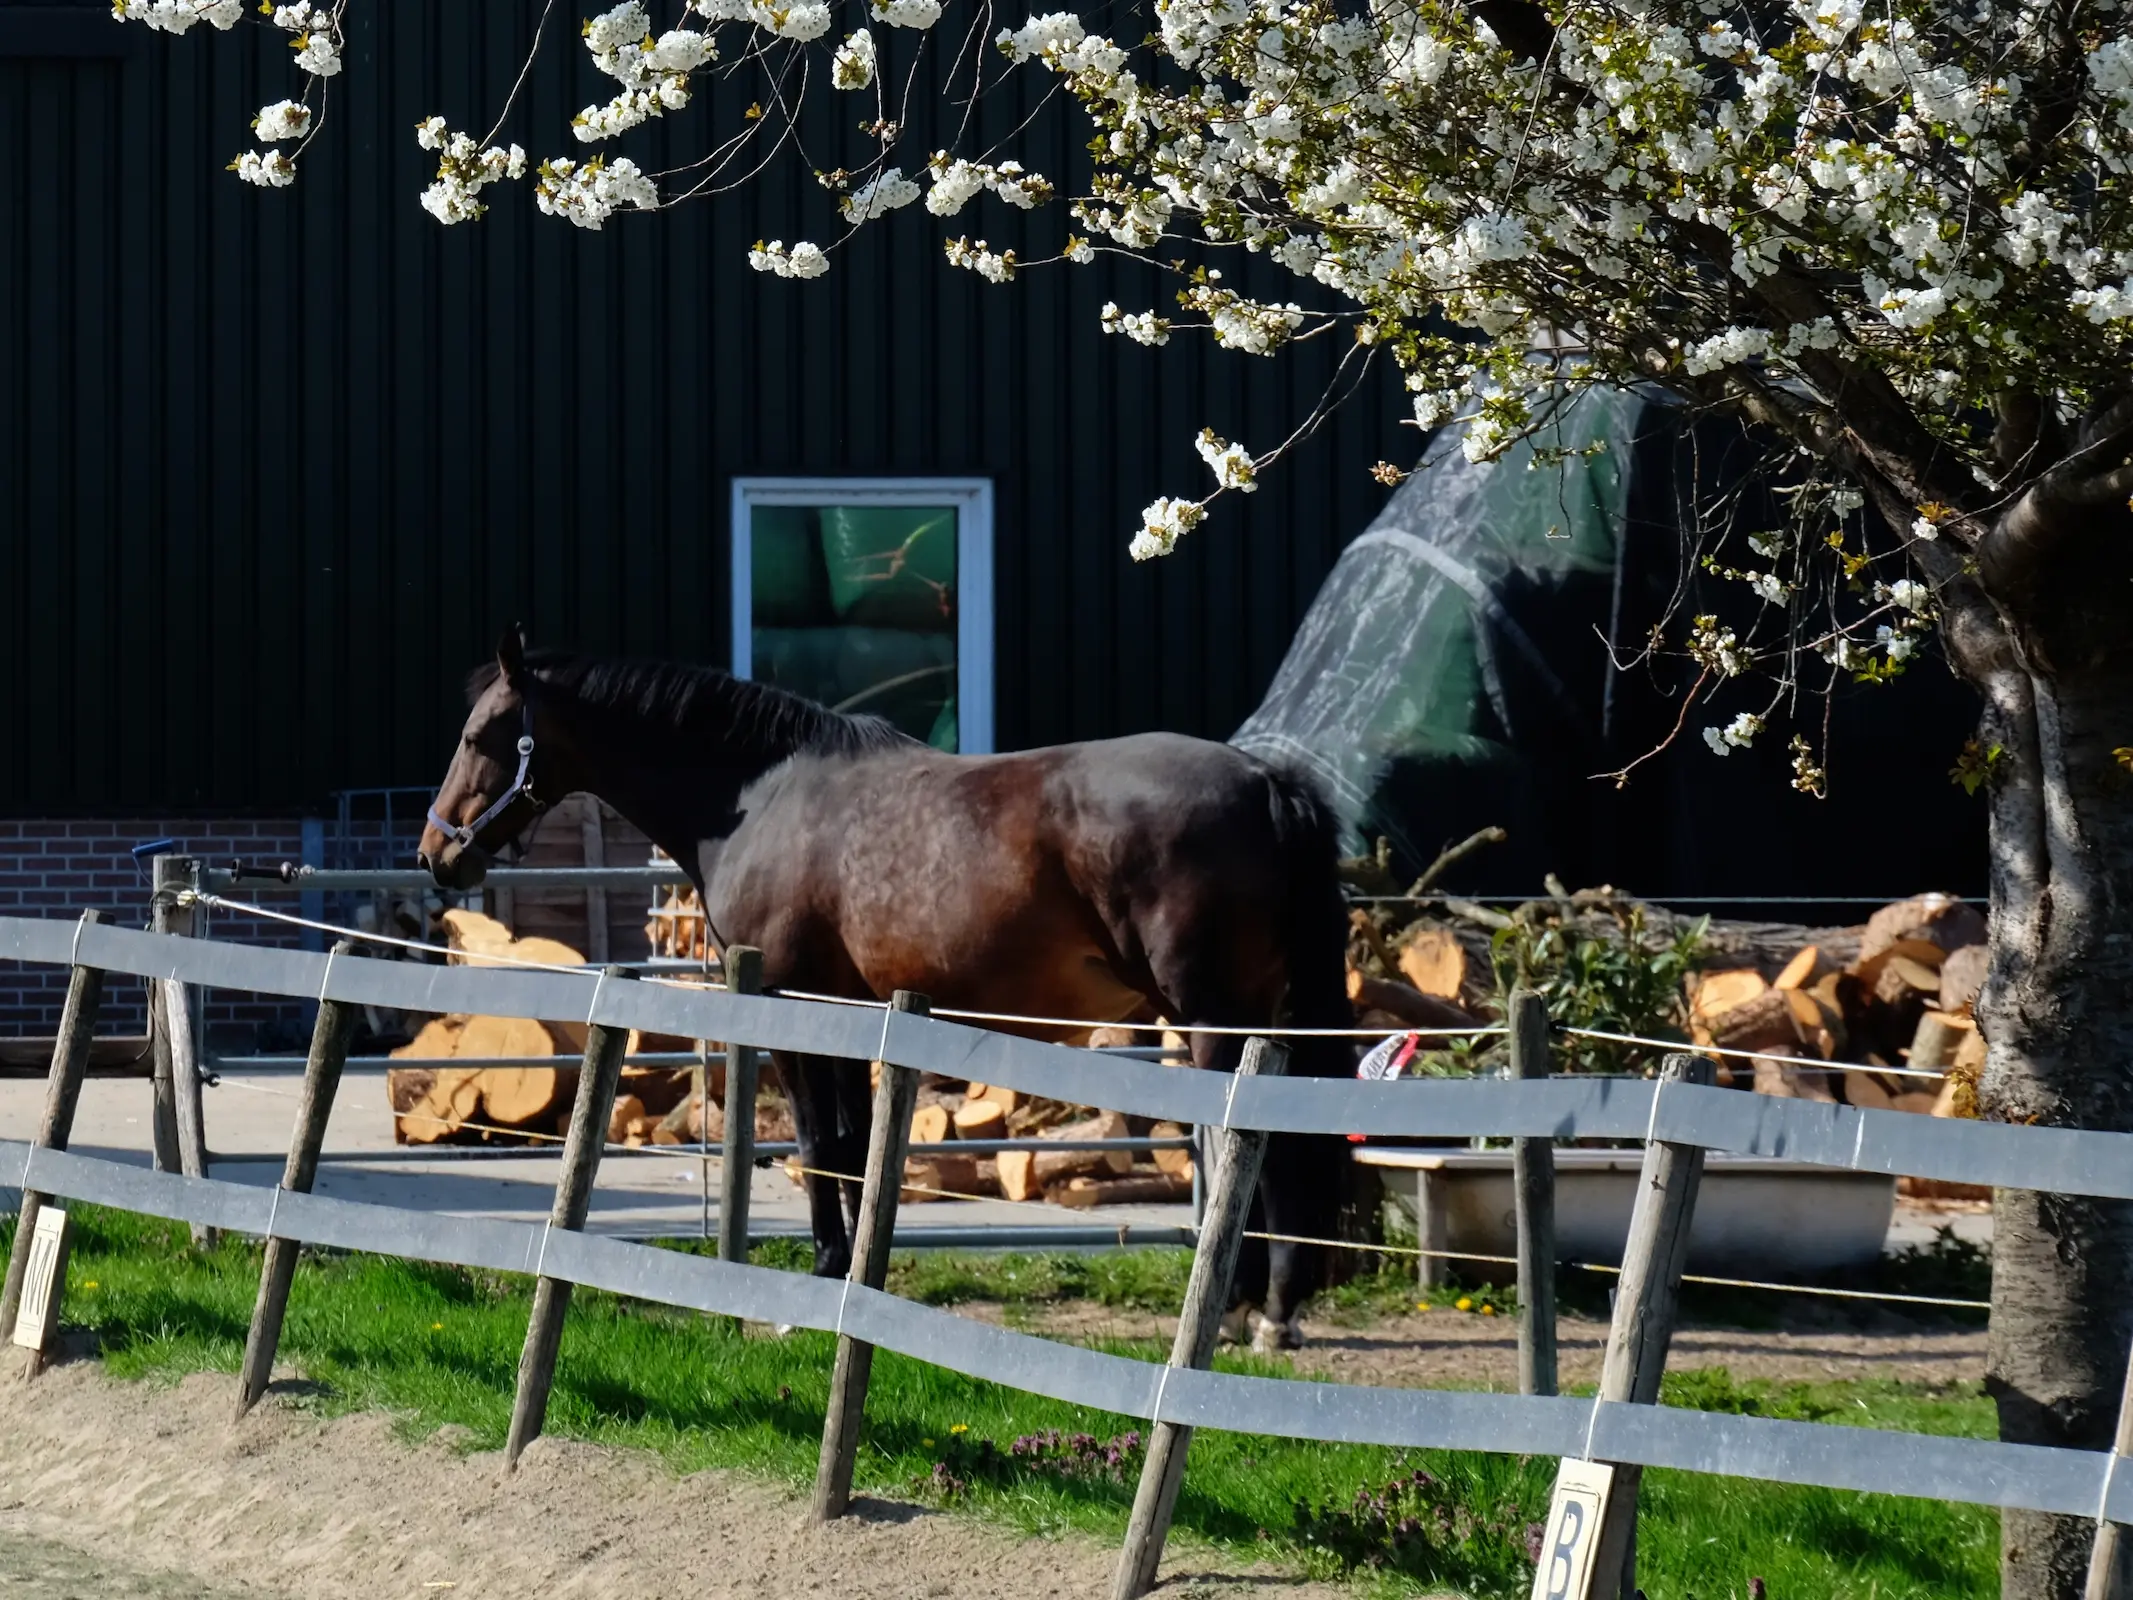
(702, 701)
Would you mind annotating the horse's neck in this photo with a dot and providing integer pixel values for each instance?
(665, 781)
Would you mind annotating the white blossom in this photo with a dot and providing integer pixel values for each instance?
(1142, 327)
(919, 14)
(284, 119)
(803, 260)
(994, 267)
(270, 169)
(884, 194)
(1231, 463)
(852, 67)
(589, 194)
(463, 171)
(1163, 524)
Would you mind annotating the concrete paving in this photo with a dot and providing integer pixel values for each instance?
(639, 1193)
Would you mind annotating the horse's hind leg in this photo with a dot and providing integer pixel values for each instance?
(811, 1086)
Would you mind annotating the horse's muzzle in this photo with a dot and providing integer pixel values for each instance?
(456, 866)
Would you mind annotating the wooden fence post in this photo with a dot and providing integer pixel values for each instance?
(62, 1092)
(2111, 1553)
(181, 1030)
(165, 915)
(1238, 1153)
(597, 1079)
(744, 975)
(322, 1079)
(888, 1142)
(1646, 1300)
(1533, 1182)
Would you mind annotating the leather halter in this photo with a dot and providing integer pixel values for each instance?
(521, 789)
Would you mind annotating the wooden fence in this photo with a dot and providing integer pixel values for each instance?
(1677, 1117)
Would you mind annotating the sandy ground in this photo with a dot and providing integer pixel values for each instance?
(1451, 1349)
(139, 1489)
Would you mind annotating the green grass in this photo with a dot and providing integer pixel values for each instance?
(440, 1345)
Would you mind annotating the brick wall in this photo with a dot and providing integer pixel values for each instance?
(59, 867)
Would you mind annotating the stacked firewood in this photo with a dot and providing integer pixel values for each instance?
(1902, 998)
(436, 1101)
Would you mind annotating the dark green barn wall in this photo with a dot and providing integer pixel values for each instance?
(275, 466)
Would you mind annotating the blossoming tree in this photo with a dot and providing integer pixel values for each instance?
(1895, 236)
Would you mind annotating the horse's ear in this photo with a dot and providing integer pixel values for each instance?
(511, 654)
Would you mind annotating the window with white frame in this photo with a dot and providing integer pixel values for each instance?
(870, 594)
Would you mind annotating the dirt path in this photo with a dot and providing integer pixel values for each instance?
(140, 1490)
(1453, 1349)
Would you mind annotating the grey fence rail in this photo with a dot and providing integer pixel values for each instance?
(2065, 1481)
(1968, 1470)
(2061, 1160)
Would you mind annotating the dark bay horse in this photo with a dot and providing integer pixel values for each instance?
(1110, 881)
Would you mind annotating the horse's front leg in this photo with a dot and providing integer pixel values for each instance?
(811, 1090)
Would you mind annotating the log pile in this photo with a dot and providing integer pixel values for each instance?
(949, 1113)
(434, 1102)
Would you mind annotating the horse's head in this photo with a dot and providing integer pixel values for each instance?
(497, 784)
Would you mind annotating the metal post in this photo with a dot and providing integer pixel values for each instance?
(744, 975)
(322, 1078)
(589, 1116)
(895, 1097)
(62, 1092)
(1238, 1153)
(1646, 1298)
(1533, 1181)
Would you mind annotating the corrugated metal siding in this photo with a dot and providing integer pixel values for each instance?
(274, 467)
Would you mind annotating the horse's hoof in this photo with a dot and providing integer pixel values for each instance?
(784, 1330)
(1236, 1323)
(1269, 1336)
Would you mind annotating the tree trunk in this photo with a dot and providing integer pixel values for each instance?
(2057, 1011)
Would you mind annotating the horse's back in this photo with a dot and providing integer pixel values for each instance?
(1034, 881)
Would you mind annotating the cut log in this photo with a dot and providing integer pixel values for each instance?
(526, 1097)
(980, 1119)
(1820, 1026)
(1764, 1023)
(1937, 919)
(470, 933)
(1941, 1189)
(929, 1124)
(405, 1086)
(1435, 963)
(628, 1108)
(1008, 1100)
(1801, 970)
(1970, 1054)
(1141, 1189)
(1414, 1008)
(1934, 1044)
(438, 1039)
(1787, 1082)
(452, 1099)
(660, 1089)
(1961, 976)
(1018, 1178)
(481, 1037)
(1178, 1163)
(1052, 1166)
(1720, 992)
(1918, 1101)
(1913, 974)
(946, 1176)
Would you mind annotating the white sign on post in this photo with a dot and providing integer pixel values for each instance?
(43, 1280)
(1573, 1536)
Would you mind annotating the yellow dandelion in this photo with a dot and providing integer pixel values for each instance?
(960, 1427)
(1463, 1304)
(1488, 1311)
(1421, 1305)
(926, 1443)
(90, 1284)
(436, 1327)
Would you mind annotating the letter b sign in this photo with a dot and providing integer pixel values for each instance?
(1565, 1569)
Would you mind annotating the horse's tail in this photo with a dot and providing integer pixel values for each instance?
(1314, 921)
